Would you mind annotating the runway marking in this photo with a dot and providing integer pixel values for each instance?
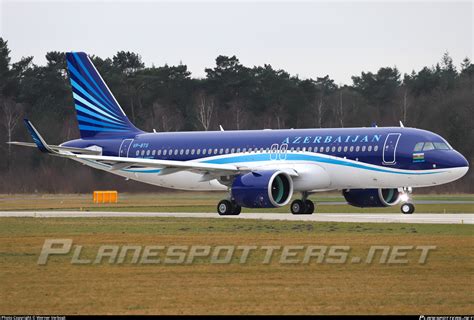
(429, 218)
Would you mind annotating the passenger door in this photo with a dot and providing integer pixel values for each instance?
(390, 148)
(124, 147)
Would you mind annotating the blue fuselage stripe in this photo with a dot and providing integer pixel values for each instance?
(306, 157)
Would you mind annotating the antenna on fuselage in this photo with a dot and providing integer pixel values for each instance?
(401, 124)
(220, 127)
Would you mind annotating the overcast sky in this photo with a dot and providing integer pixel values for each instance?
(311, 38)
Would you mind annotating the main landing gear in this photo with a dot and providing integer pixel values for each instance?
(303, 206)
(228, 208)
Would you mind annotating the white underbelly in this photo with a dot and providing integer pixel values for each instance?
(328, 177)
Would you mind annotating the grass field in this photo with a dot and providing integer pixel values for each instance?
(443, 285)
(206, 202)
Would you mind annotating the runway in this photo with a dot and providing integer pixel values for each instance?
(427, 218)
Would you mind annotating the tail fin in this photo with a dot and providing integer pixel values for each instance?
(98, 112)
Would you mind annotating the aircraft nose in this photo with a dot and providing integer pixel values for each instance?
(460, 161)
(465, 162)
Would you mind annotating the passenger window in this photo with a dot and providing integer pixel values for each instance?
(181, 152)
(376, 148)
(298, 149)
(369, 148)
(315, 149)
(159, 152)
(137, 153)
(428, 146)
(186, 152)
(351, 148)
(327, 149)
(345, 148)
(357, 148)
(339, 149)
(310, 149)
(418, 146)
(333, 149)
(363, 148)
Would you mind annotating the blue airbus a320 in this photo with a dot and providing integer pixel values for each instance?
(374, 167)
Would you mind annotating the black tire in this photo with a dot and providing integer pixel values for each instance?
(407, 208)
(298, 207)
(225, 208)
(236, 209)
(309, 207)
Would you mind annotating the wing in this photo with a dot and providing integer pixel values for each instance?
(166, 166)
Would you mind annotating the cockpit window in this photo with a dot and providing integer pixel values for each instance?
(428, 146)
(441, 146)
(418, 146)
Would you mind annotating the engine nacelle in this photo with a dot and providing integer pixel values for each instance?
(262, 189)
(366, 198)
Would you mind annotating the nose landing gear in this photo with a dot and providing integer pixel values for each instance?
(407, 206)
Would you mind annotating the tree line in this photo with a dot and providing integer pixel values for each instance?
(167, 98)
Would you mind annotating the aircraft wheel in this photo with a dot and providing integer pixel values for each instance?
(236, 209)
(407, 208)
(309, 206)
(225, 208)
(298, 207)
